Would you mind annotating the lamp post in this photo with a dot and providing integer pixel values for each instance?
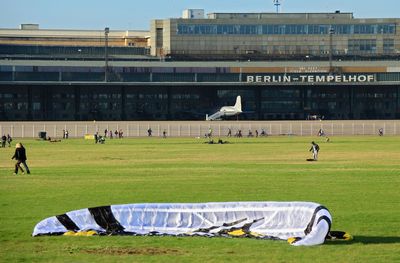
(331, 32)
(277, 4)
(106, 31)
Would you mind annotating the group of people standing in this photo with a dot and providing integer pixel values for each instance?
(6, 139)
(108, 133)
(118, 133)
(249, 134)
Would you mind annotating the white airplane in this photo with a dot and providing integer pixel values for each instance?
(227, 111)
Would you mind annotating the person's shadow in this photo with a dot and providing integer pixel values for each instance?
(367, 240)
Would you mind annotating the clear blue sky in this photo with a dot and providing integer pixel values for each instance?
(136, 14)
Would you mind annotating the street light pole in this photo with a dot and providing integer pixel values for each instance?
(106, 31)
(331, 32)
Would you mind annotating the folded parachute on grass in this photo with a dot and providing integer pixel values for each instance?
(300, 223)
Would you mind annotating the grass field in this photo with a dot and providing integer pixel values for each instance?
(357, 178)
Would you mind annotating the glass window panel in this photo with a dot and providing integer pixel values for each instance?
(280, 29)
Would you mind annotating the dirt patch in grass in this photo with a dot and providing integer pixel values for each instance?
(133, 251)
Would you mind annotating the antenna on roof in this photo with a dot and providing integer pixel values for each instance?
(277, 4)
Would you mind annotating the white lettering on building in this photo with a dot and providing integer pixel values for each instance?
(250, 78)
(310, 78)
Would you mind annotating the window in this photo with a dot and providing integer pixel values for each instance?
(362, 46)
(283, 29)
(283, 105)
(22, 106)
(8, 106)
(36, 106)
(281, 93)
(388, 45)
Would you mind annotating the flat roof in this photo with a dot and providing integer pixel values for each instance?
(68, 33)
(269, 15)
(199, 64)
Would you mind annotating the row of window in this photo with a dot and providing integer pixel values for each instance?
(230, 95)
(183, 104)
(284, 29)
(266, 105)
(129, 70)
(281, 105)
(70, 50)
(280, 93)
(103, 97)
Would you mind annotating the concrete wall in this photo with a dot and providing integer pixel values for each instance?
(155, 37)
(200, 128)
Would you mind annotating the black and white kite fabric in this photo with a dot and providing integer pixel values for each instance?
(301, 223)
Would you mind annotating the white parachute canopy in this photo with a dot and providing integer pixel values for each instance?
(303, 223)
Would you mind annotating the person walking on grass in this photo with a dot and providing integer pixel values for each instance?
(229, 132)
(20, 156)
(3, 141)
(314, 149)
(9, 140)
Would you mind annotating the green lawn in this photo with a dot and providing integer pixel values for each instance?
(357, 178)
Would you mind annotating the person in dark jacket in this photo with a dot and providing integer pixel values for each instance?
(20, 156)
(314, 149)
(3, 141)
(9, 140)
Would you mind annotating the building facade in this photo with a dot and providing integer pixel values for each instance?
(78, 90)
(33, 35)
(275, 36)
(30, 42)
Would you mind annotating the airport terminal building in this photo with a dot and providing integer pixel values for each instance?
(285, 66)
(275, 36)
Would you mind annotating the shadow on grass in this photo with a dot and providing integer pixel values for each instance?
(367, 240)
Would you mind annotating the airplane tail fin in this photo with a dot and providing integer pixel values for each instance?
(238, 104)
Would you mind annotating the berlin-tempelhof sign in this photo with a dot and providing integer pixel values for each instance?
(309, 78)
